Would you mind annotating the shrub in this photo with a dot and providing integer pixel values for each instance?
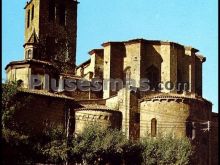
(166, 150)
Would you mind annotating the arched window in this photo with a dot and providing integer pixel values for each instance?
(67, 52)
(28, 18)
(153, 127)
(127, 75)
(20, 83)
(29, 54)
(190, 130)
(152, 74)
(32, 13)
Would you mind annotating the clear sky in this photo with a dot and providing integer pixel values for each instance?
(188, 22)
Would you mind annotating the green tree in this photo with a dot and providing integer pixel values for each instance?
(53, 144)
(101, 145)
(167, 151)
(19, 141)
(14, 140)
(9, 91)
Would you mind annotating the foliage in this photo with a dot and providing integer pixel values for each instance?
(95, 145)
(9, 91)
(13, 103)
(15, 139)
(166, 150)
(98, 145)
(53, 145)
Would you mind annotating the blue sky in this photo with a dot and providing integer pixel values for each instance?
(188, 22)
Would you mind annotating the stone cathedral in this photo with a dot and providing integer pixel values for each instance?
(49, 63)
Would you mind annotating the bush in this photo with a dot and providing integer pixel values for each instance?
(99, 145)
(166, 151)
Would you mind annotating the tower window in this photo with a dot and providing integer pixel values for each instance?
(190, 130)
(51, 10)
(62, 15)
(20, 83)
(28, 19)
(153, 127)
(67, 53)
(29, 53)
(152, 74)
(127, 75)
(32, 13)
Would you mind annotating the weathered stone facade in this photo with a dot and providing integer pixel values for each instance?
(50, 38)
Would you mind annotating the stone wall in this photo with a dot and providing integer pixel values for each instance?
(103, 117)
(150, 57)
(64, 34)
(113, 102)
(16, 74)
(98, 56)
(171, 117)
(127, 103)
(113, 67)
(133, 60)
(175, 116)
(83, 95)
(94, 66)
(175, 63)
(42, 110)
(34, 23)
(198, 76)
(214, 138)
(191, 67)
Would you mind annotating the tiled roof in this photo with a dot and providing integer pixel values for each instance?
(84, 63)
(95, 107)
(95, 51)
(33, 38)
(92, 101)
(28, 61)
(138, 40)
(174, 96)
(70, 76)
(45, 93)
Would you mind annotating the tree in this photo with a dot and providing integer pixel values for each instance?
(19, 141)
(102, 145)
(166, 150)
(9, 91)
(14, 138)
(96, 145)
(53, 144)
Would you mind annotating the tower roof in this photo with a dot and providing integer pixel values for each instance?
(33, 39)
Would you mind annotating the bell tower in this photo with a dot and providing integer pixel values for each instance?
(51, 32)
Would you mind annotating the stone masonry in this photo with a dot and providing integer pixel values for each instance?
(172, 104)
